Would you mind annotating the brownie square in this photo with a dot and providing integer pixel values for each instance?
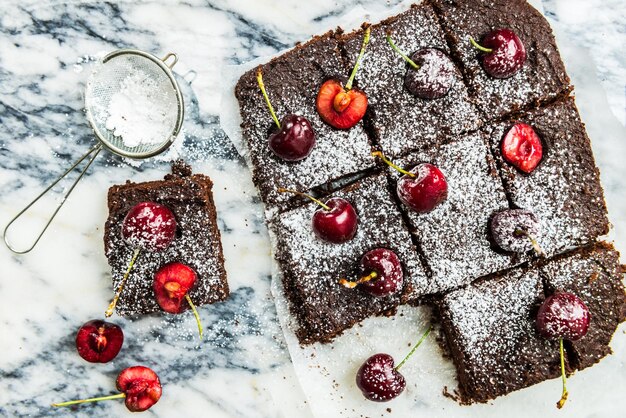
(564, 191)
(292, 81)
(453, 237)
(543, 75)
(311, 268)
(197, 242)
(490, 330)
(594, 275)
(400, 121)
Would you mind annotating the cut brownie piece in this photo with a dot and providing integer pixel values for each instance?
(197, 242)
(594, 275)
(491, 333)
(292, 81)
(311, 268)
(542, 77)
(453, 237)
(399, 120)
(564, 191)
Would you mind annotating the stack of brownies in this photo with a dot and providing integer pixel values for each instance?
(487, 297)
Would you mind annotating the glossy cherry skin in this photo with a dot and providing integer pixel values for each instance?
(141, 386)
(337, 225)
(295, 139)
(338, 107)
(378, 380)
(149, 226)
(171, 284)
(434, 77)
(563, 315)
(522, 147)
(425, 191)
(508, 55)
(506, 226)
(99, 341)
(389, 275)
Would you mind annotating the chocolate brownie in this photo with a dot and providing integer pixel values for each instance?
(197, 242)
(453, 237)
(311, 268)
(399, 120)
(564, 191)
(543, 76)
(292, 81)
(490, 330)
(594, 275)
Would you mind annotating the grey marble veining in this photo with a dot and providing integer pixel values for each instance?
(242, 369)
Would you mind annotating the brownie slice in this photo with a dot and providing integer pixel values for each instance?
(311, 268)
(197, 243)
(490, 330)
(453, 237)
(292, 81)
(594, 275)
(399, 120)
(564, 191)
(543, 75)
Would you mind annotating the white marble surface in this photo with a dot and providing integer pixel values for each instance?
(243, 368)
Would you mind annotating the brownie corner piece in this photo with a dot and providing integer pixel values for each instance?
(543, 76)
(564, 191)
(399, 120)
(311, 268)
(197, 243)
(292, 81)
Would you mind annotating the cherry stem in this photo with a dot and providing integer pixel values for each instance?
(259, 79)
(351, 285)
(538, 250)
(366, 39)
(402, 54)
(120, 287)
(319, 202)
(479, 46)
(561, 401)
(414, 348)
(392, 165)
(101, 398)
(195, 313)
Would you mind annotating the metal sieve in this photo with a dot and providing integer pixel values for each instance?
(105, 81)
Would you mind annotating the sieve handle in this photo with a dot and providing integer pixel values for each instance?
(167, 57)
(95, 151)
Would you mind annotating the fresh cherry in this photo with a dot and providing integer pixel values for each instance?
(139, 386)
(516, 230)
(148, 226)
(171, 286)
(335, 221)
(504, 53)
(566, 317)
(295, 137)
(379, 380)
(99, 341)
(522, 147)
(430, 74)
(343, 107)
(422, 188)
(382, 273)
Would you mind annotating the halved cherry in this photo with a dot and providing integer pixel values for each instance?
(522, 147)
(99, 341)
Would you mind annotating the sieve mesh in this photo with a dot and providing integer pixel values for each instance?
(107, 80)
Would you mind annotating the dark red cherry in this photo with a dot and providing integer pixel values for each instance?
(379, 380)
(424, 189)
(387, 268)
(522, 147)
(337, 223)
(563, 315)
(141, 386)
(150, 226)
(515, 230)
(295, 139)
(505, 53)
(434, 76)
(171, 284)
(99, 341)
